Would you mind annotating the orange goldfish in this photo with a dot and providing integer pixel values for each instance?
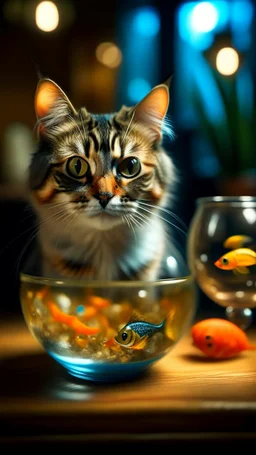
(98, 302)
(237, 260)
(237, 241)
(71, 321)
(219, 338)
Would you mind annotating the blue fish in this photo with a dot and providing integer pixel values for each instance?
(136, 333)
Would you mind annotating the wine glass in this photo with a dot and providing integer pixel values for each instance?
(221, 253)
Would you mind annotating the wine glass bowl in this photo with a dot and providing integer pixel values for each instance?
(221, 253)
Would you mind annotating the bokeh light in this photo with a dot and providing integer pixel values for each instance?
(227, 61)
(204, 17)
(109, 54)
(47, 16)
(137, 89)
(146, 21)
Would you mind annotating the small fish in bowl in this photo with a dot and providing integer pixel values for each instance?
(137, 332)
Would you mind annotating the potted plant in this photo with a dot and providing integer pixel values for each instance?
(233, 140)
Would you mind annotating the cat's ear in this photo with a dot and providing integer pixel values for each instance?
(151, 110)
(52, 105)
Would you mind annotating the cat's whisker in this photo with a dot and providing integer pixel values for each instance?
(49, 206)
(144, 218)
(132, 227)
(58, 216)
(29, 215)
(127, 221)
(169, 212)
(33, 236)
(72, 216)
(28, 208)
(164, 219)
(63, 219)
(136, 222)
(16, 238)
(123, 219)
(17, 263)
(36, 228)
(169, 238)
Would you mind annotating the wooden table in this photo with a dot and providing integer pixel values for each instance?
(184, 400)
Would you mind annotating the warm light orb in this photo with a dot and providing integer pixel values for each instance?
(109, 55)
(47, 16)
(227, 61)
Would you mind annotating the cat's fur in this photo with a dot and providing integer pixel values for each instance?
(102, 225)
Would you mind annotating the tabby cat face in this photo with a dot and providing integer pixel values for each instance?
(99, 166)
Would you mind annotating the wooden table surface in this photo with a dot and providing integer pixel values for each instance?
(185, 398)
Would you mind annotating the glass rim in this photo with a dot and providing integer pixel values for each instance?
(64, 282)
(225, 199)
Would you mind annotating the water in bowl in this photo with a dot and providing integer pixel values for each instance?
(77, 324)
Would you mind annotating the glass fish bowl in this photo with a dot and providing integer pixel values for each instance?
(222, 254)
(109, 331)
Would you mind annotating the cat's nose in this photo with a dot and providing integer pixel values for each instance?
(103, 198)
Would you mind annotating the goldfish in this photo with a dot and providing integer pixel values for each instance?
(98, 302)
(136, 333)
(220, 339)
(237, 241)
(237, 260)
(71, 321)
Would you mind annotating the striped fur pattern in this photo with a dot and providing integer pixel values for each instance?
(90, 180)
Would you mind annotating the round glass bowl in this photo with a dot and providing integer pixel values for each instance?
(107, 331)
(222, 253)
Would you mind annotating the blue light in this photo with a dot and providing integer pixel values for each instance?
(188, 27)
(199, 21)
(241, 14)
(202, 41)
(242, 41)
(137, 89)
(205, 162)
(207, 166)
(146, 21)
(204, 17)
(245, 91)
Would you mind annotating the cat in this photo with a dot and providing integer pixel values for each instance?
(97, 182)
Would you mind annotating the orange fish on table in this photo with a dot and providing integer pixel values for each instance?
(220, 339)
(237, 260)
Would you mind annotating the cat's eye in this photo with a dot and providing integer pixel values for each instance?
(129, 167)
(77, 167)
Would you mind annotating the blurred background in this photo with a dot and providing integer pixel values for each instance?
(105, 54)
